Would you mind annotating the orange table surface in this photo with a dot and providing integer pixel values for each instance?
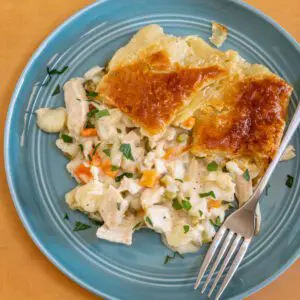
(25, 273)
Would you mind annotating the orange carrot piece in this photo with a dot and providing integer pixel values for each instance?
(83, 173)
(149, 178)
(175, 151)
(214, 204)
(106, 168)
(96, 159)
(189, 123)
(88, 132)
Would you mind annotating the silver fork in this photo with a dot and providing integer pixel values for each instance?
(238, 229)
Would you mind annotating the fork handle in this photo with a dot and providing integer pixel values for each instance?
(252, 202)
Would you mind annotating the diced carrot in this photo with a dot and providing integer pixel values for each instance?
(83, 173)
(103, 164)
(88, 132)
(214, 204)
(96, 159)
(106, 168)
(175, 151)
(189, 123)
(149, 178)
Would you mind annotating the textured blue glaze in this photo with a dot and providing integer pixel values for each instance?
(38, 179)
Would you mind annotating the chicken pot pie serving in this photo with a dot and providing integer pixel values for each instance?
(166, 136)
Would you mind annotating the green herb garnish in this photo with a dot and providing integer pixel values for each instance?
(119, 130)
(81, 147)
(178, 179)
(101, 113)
(217, 222)
(91, 94)
(246, 175)
(92, 112)
(137, 225)
(56, 91)
(66, 216)
(126, 150)
(97, 222)
(186, 228)
(176, 204)
(89, 157)
(149, 221)
(95, 149)
(169, 257)
(53, 72)
(186, 204)
(107, 152)
(118, 205)
(66, 138)
(120, 177)
(114, 168)
(80, 226)
(57, 72)
(209, 194)
(289, 181)
(200, 213)
(213, 166)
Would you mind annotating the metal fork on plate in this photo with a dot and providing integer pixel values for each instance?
(238, 229)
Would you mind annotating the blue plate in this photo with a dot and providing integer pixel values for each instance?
(38, 179)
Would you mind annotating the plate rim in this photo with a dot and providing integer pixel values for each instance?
(8, 170)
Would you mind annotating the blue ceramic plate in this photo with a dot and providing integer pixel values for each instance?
(36, 169)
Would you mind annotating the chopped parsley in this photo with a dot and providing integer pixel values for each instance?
(66, 216)
(149, 221)
(101, 113)
(57, 72)
(186, 204)
(66, 138)
(126, 174)
(95, 149)
(176, 204)
(118, 205)
(114, 168)
(119, 130)
(217, 222)
(178, 179)
(186, 228)
(246, 175)
(56, 91)
(200, 213)
(97, 222)
(81, 147)
(107, 152)
(80, 226)
(213, 166)
(126, 150)
(137, 225)
(89, 157)
(209, 194)
(289, 181)
(53, 72)
(91, 94)
(170, 257)
(92, 112)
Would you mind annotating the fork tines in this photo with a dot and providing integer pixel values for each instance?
(224, 239)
